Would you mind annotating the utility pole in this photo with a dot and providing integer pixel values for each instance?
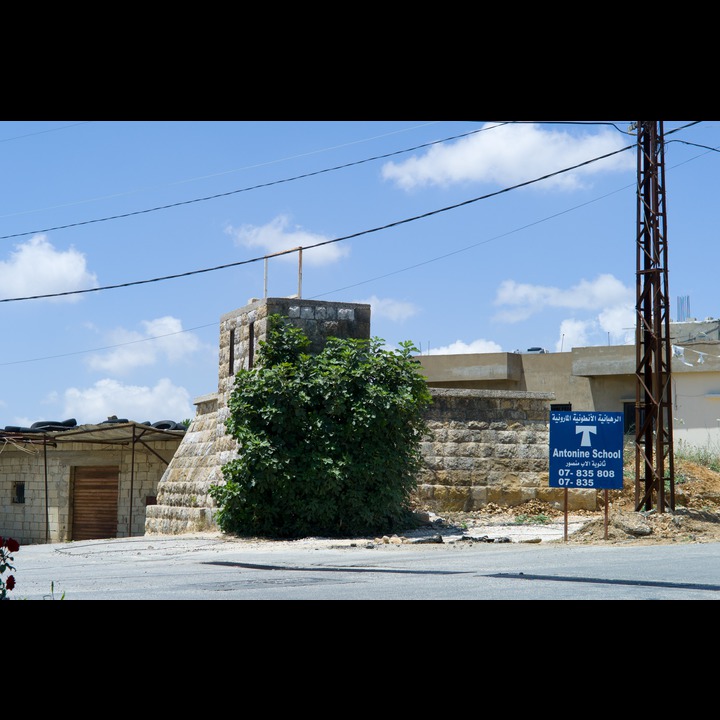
(654, 466)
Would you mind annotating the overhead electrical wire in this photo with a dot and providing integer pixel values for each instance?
(363, 282)
(44, 132)
(108, 347)
(242, 190)
(303, 176)
(337, 240)
(324, 242)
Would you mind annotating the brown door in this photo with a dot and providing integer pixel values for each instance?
(95, 502)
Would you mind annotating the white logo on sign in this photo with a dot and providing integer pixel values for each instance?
(585, 430)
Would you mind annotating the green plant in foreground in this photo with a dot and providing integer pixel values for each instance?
(328, 443)
(707, 456)
(7, 546)
(51, 596)
(540, 519)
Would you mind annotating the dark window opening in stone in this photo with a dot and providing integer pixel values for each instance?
(231, 363)
(18, 492)
(251, 346)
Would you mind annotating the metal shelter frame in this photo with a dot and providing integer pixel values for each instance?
(126, 433)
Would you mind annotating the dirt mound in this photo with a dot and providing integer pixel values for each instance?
(696, 517)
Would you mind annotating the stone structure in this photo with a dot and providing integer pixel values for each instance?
(485, 446)
(183, 500)
(490, 446)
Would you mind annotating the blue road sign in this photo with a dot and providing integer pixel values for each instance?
(586, 450)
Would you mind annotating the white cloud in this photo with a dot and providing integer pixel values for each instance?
(604, 293)
(276, 236)
(37, 268)
(619, 321)
(108, 397)
(575, 333)
(396, 310)
(136, 349)
(613, 326)
(514, 153)
(604, 309)
(461, 348)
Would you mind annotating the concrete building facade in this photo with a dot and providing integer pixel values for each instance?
(602, 378)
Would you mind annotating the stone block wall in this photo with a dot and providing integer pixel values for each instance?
(27, 522)
(485, 446)
(183, 502)
(242, 331)
(489, 447)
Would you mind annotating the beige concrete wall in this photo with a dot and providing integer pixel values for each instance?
(696, 410)
(474, 370)
(546, 373)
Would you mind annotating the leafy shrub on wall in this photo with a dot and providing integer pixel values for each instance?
(328, 443)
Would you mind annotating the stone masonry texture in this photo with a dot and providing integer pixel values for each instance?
(483, 446)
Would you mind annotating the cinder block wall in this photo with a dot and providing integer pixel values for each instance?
(46, 514)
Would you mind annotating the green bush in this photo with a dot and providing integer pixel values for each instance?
(328, 443)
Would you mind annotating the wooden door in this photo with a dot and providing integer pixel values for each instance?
(95, 502)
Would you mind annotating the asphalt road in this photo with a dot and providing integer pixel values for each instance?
(213, 568)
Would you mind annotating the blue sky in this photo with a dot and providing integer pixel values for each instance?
(444, 227)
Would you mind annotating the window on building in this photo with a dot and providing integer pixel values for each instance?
(251, 346)
(565, 407)
(18, 490)
(231, 368)
(629, 416)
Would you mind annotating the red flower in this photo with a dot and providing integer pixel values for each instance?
(10, 582)
(12, 545)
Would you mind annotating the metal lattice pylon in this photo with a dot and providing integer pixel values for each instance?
(654, 465)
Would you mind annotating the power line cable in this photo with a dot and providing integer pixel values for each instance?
(704, 147)
(301, 177)
(325, 242)
(224, 172)
(474, 245)
(245, 189)
(108, 347)
(331, 292)
(43, 132)
(395, 272)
